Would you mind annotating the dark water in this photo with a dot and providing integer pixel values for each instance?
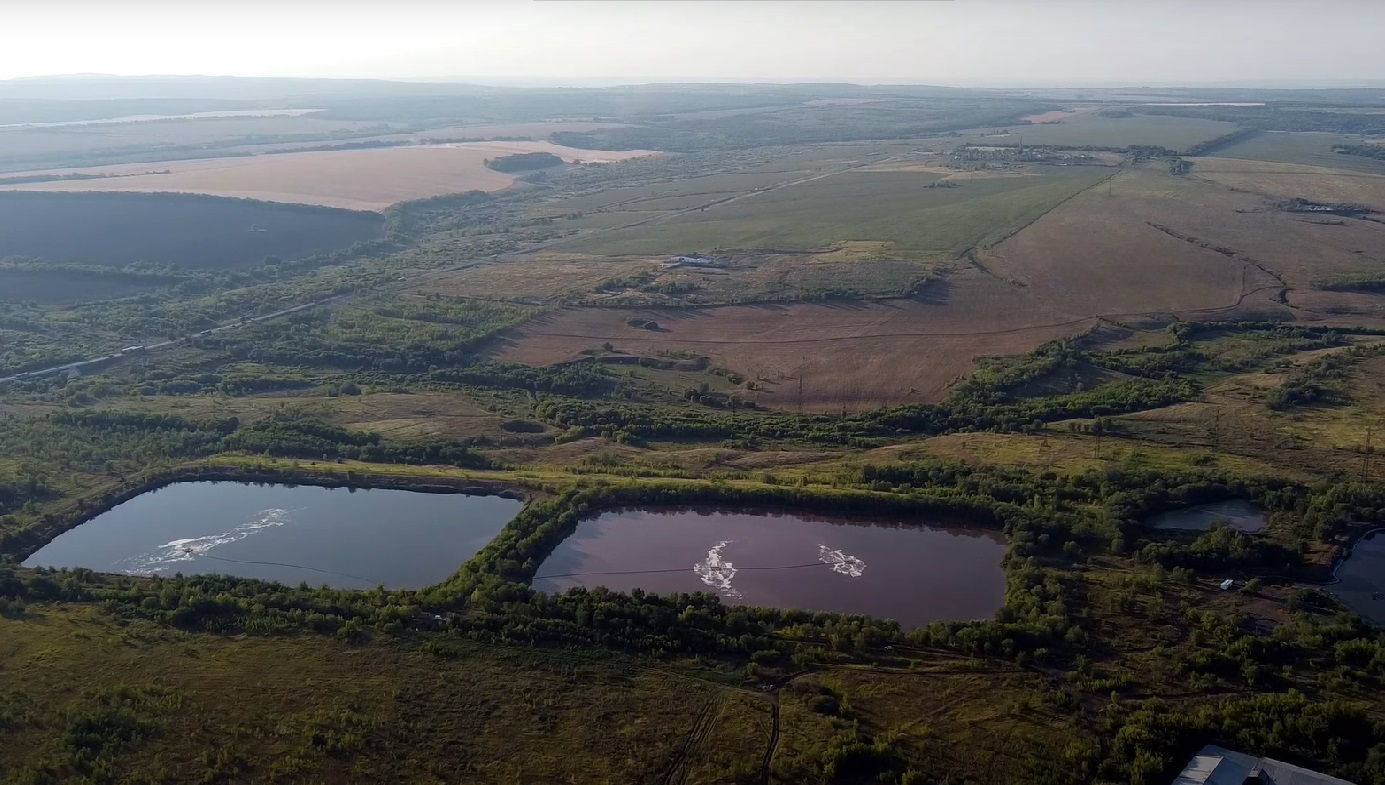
(335, 536)
(1239, 513)
(1362, 576)
(914, 574)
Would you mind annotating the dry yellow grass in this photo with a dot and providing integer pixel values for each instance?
(1098, 255)
(819, 357)
(1286, 181)
(354, 179)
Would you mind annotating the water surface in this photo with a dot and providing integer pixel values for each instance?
(1361, 578)
(147, 118)
(1240, 514)
(912, 573)
(336, 536)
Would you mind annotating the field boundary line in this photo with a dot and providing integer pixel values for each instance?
(1041, 216)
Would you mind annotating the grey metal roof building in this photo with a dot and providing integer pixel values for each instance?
(1218, 766)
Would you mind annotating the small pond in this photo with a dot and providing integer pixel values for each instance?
(1361, 578)
(914, 574)
(1240, 514)
(341, 537)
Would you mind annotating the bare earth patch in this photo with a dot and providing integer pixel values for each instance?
(1056, 116)
(354, 179)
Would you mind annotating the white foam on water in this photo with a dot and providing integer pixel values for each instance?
(717, 573)
(172, 553)
(847, 565)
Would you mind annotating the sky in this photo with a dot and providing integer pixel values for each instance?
(943, 42)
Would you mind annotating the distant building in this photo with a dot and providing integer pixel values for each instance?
(693, 259)
(1217, 766)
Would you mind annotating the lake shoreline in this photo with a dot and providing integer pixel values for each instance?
(86, 508)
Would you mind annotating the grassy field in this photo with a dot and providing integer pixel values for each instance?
(1289, 181)
(1093, 129)
(139, 703)
(1309, 149)
(370, 179)
(30, 148)
(163, 705)
(896, 208)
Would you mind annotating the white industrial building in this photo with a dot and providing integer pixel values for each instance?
(1218, 766)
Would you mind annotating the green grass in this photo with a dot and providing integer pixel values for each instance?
(1311, 149)
(1175, 133)
(636, 198)
(892, 207)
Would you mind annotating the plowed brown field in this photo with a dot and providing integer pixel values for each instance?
(849, 355)
(1103, 253)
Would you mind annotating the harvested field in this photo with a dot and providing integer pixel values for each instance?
(370, 179)
(844, 355)
(1099, 255)
(1288, 181)
(1298, 248)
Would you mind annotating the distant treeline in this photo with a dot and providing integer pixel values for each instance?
(1356, 282)
(1277, 118)
(1221, 142)
(903, 119)
(1376, 151)
(22, 179)
(523, 162)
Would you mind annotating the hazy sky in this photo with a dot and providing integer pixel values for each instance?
(953, 42)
